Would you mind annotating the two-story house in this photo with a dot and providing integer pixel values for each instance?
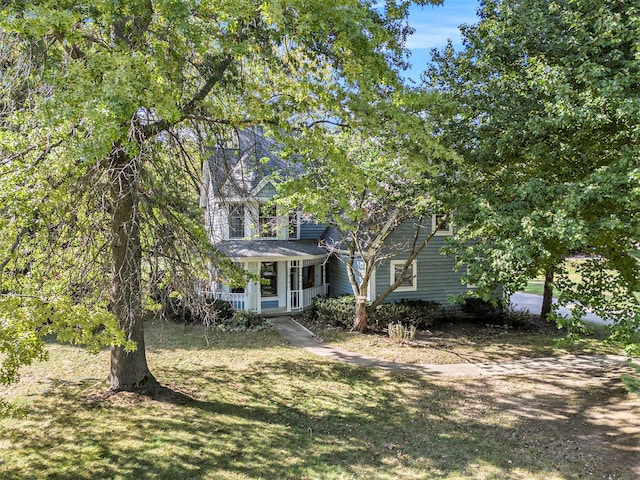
(251, 230)
(286, 248)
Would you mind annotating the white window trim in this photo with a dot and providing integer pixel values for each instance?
(296, 235)
(414, 281)
(231, 206)
(441, 232)
(276, 219)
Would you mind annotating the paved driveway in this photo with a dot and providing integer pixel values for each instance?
(533, 303)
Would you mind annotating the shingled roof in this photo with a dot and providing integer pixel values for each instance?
(270, 248)
(237, 171)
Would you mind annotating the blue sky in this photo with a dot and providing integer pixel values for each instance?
(434, 25)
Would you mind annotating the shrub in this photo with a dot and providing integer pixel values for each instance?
(498, 314)
(418, 313)
(219, 310)
(401, 334)
(483, 310)
(337, 312)
(513, 318)
(243, 321)
(209, 312)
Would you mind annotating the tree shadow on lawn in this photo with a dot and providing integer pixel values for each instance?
(320, 419)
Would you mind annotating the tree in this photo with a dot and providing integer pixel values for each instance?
(541, 105)
(365, 191)
(110, 109)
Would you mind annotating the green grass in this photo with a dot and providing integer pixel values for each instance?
(248, 406)
(536, 285)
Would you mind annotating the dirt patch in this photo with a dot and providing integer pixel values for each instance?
(587, 416)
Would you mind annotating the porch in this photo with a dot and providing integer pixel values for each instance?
(291, 273)
(252, 301)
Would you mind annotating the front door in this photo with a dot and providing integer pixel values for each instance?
(272, 289)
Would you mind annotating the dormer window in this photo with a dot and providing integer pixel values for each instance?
(293, 226)
(268, 221)
(236, 221)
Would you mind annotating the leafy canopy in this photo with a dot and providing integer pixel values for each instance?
(542, 104)
(108, 109)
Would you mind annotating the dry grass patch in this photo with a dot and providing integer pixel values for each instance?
(246, 405)
(467, 342)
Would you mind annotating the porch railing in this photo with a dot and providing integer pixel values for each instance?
(241, 301)
(308, 294)
(237, 300)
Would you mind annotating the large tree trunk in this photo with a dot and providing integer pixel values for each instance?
(129, 370)
(547, 294)
(361, 316)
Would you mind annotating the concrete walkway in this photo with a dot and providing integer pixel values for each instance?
(300, 337)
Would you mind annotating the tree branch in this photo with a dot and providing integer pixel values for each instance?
(152, 129)
(417, 248)
(72, 50)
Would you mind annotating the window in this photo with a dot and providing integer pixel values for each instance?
(236, 221)
(410, 281)
(308, 276)
(269, 276)
(443, 228)
(267, 221)
(293, 225)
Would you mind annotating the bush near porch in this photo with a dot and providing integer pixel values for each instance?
(338, 312)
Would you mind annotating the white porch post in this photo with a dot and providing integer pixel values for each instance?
(300, 305)
(289, 272)
(294, 288)
(253, 300)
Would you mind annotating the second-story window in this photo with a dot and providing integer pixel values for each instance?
(442, 224)
(293, 225)
(236, 221)
(268, 221)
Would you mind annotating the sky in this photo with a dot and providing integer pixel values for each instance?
(434, 25)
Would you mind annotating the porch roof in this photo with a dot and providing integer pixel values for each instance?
(271, 248)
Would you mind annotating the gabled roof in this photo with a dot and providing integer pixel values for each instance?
(238, 172)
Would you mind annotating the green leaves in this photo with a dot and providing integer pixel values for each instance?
(26, 321)
(20, 344)
(109, 104)
(542, 106)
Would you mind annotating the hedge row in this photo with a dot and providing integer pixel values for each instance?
(339, 312)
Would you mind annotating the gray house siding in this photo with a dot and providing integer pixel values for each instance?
(311, 230)
(436, 278)
(267, 192)
(337, 277)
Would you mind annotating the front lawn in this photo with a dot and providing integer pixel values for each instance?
(461, 341)
(249, 406)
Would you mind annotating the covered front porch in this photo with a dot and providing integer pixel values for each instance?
(291, 274)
